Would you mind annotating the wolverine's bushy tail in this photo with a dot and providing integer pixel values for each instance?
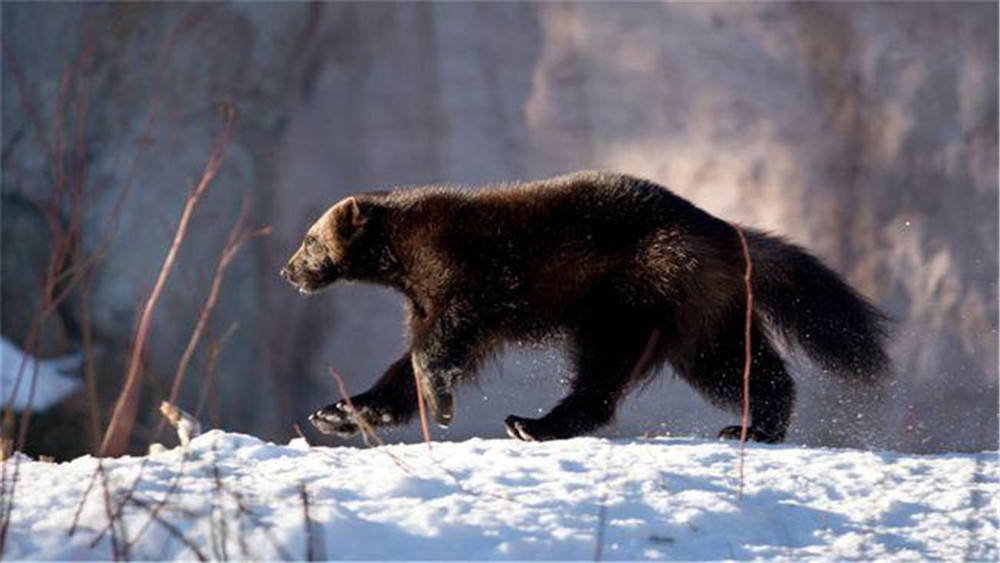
(811, 305)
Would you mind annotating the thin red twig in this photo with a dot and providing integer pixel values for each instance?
(66, 241)
(237, 237)
(123, 418)
(217, 504)
(116, 550)
(367, 430)
(170, 528)
(208, 384)
(421, 408)
(304, 495)
(62, 244)
(160, 504)
(744, 424)
(256, 521)
(83, 500)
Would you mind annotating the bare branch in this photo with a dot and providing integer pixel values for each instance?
(746, 347)
(237, 237)
(123, 418)
(421, 408)
(209, 380)
(366, 429)
(83, 500)
(170, 528)
(310, 556)
(117, 552)
(216, 503)
(602, 524)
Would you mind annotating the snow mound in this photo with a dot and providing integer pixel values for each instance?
(234, 496)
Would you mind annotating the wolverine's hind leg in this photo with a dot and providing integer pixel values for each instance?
(716, 372)
(606, 358)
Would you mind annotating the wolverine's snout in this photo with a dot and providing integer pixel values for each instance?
(295, 273)
(308, 276)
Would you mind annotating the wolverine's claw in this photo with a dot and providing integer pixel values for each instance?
(440, 401)
(517, 428)
(337, 418)
(445, 411)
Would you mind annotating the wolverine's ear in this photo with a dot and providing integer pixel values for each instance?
(349, 217)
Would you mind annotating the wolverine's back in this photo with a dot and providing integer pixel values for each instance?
(544, 247)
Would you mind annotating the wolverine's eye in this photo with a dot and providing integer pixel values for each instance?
(313, 247)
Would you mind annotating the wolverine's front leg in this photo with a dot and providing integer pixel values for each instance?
(444, 353)
(391, 401)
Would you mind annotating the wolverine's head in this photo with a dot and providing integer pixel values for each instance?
(328, 252)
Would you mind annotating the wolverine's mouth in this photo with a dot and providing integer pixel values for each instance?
(309, 282)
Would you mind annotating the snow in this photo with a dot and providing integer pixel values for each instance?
(51, 386)
(659, 498)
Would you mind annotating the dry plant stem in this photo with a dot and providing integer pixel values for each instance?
(256, 521)
(115, 525)
(170, 528)
(305, 522)
(7, 502)
(125, 498)
(65, 241)
(89, 372)
(744, 424)
(83, 500)
(123, 418)
(241, 540)
(130, 494)
(116, 552)
(217, 504)
(237, 237)
(602, 520)
(213, 354)
(366, 429)
(62, 244)
(175, 482)
(422, 409)
(155, 510)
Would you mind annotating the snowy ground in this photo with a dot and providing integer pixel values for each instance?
(664, 498)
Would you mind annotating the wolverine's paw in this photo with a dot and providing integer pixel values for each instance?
(517, 428)
(445, 411)
(338, 418)
(753, 433)
(441, 404)
(527, 429)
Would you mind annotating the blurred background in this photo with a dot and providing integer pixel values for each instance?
(866, 132)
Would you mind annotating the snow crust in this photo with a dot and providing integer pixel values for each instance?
(580, 499)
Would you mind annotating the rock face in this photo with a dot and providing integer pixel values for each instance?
(866, 132)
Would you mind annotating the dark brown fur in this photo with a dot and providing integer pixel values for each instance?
(629, 274)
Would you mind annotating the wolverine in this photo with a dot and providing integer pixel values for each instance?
(621, 272)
